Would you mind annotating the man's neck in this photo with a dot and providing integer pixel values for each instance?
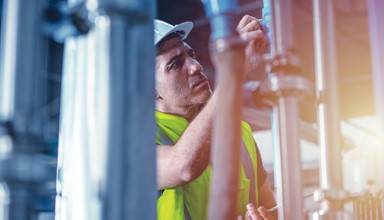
(187, 112)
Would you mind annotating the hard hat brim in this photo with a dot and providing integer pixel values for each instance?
(182, 30)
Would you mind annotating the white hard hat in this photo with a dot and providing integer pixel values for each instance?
(162, 29)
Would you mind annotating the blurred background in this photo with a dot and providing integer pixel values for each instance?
(361, 124)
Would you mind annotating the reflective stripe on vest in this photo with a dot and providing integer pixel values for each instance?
(246, 160)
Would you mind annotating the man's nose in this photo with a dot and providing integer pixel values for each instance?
(194, 66)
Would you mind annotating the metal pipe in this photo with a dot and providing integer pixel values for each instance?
(23, 59)
(281, 26)
(287, 158)
(327, 95)
(76, 192)
(376, 31)
(285, 123)
(222, 18)
(108, 114)
(226, 49)
(226, 137)
(8, 59)
(22, 92)
(331, 194)
(130, 187)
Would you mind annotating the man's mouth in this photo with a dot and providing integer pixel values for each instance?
(199, 82)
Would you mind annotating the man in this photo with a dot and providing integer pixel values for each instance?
(185, 108)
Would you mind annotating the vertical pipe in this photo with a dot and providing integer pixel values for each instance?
(376, 31)
(76, 182)
(282, 28)
(266, 16)
(285, 116)
(222, 18)
(287, 158)
(21, 88)
(108, 116)
(22, 65)
(130, 185)
(327, 95)
(8, 63)
(3, 202)
(226, 138)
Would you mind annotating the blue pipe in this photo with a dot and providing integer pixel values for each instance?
(222, 14)
(266, 23)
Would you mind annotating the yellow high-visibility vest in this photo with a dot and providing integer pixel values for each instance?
(191, 200)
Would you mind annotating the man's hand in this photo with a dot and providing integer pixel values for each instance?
(249, 29)
(257, 214)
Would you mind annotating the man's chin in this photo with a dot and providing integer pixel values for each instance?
(203, 98)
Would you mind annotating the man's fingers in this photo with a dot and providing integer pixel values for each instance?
(244, 21)
(248, 22)
(251, 26)
(252, 213)
(249, 29)
(257, 35)
(265, 214)
(250, 216)
(247, 216)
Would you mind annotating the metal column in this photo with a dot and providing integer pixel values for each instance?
(375, 17)
(285, 87)
(131, 175)
(22, 89)
(108, 123)
(287, 158)
(331, 194)
(227, 50)
(327, 94)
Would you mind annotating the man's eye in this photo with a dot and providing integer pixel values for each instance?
(175, 65)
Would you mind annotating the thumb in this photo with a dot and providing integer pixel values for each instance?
(265, 214)
(252, 213)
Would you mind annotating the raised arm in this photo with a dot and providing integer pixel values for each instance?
(187, 159)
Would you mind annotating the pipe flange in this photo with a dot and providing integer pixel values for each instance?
(330, 195)
(286, 86)
(26, 168)
(224, 44)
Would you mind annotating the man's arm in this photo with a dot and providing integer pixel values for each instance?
(187, 159)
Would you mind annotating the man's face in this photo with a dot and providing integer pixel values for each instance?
(180, 81)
